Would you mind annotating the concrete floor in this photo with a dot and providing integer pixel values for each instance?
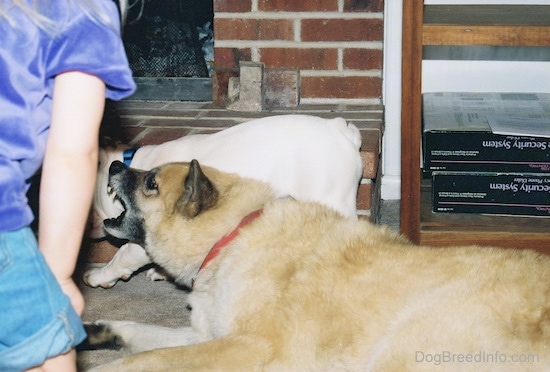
(390, 213)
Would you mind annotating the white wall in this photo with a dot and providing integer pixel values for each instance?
(391, 95)
(462, 76)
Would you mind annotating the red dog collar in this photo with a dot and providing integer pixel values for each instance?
(228, 238)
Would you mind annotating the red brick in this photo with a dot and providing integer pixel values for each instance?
(305, 59)
(161, 135)
(364, 195)
(342, 30)
(230, 57)
(364, 5)
(229, 6)
(370, 164)
(253, 29)
(220, 83)
(275, 29)
(297, 5)
(97, 252)
(130, 133)
(340, 87)
(370, 152)
(363, 59)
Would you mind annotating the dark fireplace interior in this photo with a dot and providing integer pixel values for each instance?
(170, 38)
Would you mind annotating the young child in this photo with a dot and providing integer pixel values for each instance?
(59, 60)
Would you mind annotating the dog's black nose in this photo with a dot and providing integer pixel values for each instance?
(116, 167)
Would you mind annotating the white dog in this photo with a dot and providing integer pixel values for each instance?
(305, 157)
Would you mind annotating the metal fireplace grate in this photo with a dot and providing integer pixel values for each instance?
(171, 38)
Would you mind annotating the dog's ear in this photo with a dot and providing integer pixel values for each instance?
(199, 193)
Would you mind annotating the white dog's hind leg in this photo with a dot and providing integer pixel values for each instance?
(129, 258)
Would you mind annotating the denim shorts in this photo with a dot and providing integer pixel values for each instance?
(37, 320)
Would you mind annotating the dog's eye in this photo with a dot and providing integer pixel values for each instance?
(150, 182)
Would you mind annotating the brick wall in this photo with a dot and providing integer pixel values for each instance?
(335, 45)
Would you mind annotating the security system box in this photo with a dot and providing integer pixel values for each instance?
(491, 193)
(486, 132)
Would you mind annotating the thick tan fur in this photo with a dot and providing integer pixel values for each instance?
(303, 289)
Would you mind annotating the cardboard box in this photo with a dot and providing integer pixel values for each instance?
(491, 193)
(459, 133)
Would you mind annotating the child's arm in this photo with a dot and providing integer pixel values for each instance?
(68, 174)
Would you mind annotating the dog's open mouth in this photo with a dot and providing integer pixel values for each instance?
(116, 221)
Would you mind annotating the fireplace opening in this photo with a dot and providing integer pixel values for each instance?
(170, 48)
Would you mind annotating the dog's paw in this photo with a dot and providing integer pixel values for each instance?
(154, 275)
(100, 336)
(99, 277)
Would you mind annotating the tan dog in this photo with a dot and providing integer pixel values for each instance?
(299, 288)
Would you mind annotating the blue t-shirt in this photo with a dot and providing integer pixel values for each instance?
(30, 58)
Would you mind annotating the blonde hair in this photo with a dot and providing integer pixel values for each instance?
(89, 7)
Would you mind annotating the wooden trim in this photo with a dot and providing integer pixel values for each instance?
(487, 15)
(411, 104)
(440, 34)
